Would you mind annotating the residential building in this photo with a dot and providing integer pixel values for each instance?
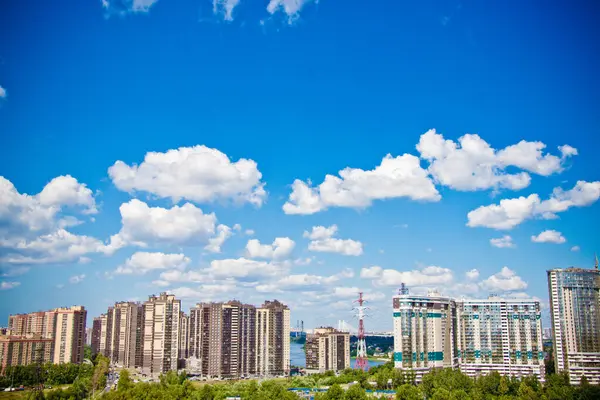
(124, 337)
(424, 332)
(88, 336)
(64, 326)
(24, 350)
(498, 334)
(105, 341)
(96, 334)
(247, 340)
(160, 336)
(273, 339)
(327, 349)
(184, 338)
(575, 313)
(69, 337)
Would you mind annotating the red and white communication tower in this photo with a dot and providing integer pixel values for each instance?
(361, 346)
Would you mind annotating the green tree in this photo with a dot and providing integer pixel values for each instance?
(335, 392)
(355, 392)
(125, 383)
(408, 392)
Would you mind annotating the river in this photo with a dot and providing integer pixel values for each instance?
(298, 358)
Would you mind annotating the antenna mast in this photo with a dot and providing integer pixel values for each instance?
(361, 346)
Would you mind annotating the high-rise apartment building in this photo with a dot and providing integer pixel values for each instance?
(69, 337)
(327, 349)
(105, 341)
(503, 335)
(161, 334)
(424, 332)
(96, 334)
(125, 345)
(247, 340)
(184, 336)
(65, 327)
(273, 339)
(24, 350)
(575, 312)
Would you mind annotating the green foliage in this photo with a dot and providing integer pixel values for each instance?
(125, 382)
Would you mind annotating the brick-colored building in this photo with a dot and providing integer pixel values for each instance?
(21, 350)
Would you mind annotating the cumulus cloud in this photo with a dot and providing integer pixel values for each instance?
(549, 236)
(76, 279)
(504, 281)
(472, 164)
(472, 274)
(575, 248)
(322, 241)
(423, 277)
(58, 246)
(397, 177)
(22, 214)
(290, 7)
(249, 232)
(302, 282)
(225, 8)
(123, 7)
(215, 243)
(142, 262)
(205, 293)
(505, 242)
(5, 285)
(244, 269)
(199, 174)
(180, 225)
(2, 93)
(511, 212)
(280, 248)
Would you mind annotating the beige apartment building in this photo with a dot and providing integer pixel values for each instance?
(24, 350)
(575, 311)
(69, 337)
(184, 337)
(273, 339)
(160, 337)
(65, 327)
(125, 334)
(327, 349)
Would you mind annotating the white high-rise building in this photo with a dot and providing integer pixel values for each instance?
(161, 334)
(503, 335)
(424, 333)
(575, 311)
(273, 339)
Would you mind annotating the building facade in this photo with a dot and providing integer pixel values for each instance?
(24, 350)
(160, 337)
(327, 349)
(273, 339)
(503, 335)
(575, 312)
(96, 334)
(424, 332)
(69, 337)
(124, 346)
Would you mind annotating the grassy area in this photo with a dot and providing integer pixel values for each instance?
(22, 394)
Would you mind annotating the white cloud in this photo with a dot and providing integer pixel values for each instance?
(280, 248)
(397, 177)
(198, 174)
(5, 285)
(504, 281)
(511, 212)
(76, 279)
(225, 8)
(472, 164)
(142, 262)
(575, 248)
(205, 293)
(58, 246)
(2, 92)
(503, 242)
(12, 271)
(322, 241)
(472, 274)
(244, 269)
(215, 243)
(142, 224)
(290, 7)
(249, 232)
(122, 7)
(424, 277)
(549, 236)
(237, 227)
(23, 214)
(304, 261)
(300, 282)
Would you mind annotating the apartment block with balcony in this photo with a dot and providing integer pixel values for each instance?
(69, 337)
(160, 335)
(327, 349)
(424, 332)
(575, 312)
(273, 339)
(24, 350)
(498, 334)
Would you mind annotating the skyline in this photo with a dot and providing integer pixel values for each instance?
(225, 150)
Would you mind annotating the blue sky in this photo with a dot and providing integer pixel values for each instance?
(158, 145)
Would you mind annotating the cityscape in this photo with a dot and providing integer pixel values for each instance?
(299, 199)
